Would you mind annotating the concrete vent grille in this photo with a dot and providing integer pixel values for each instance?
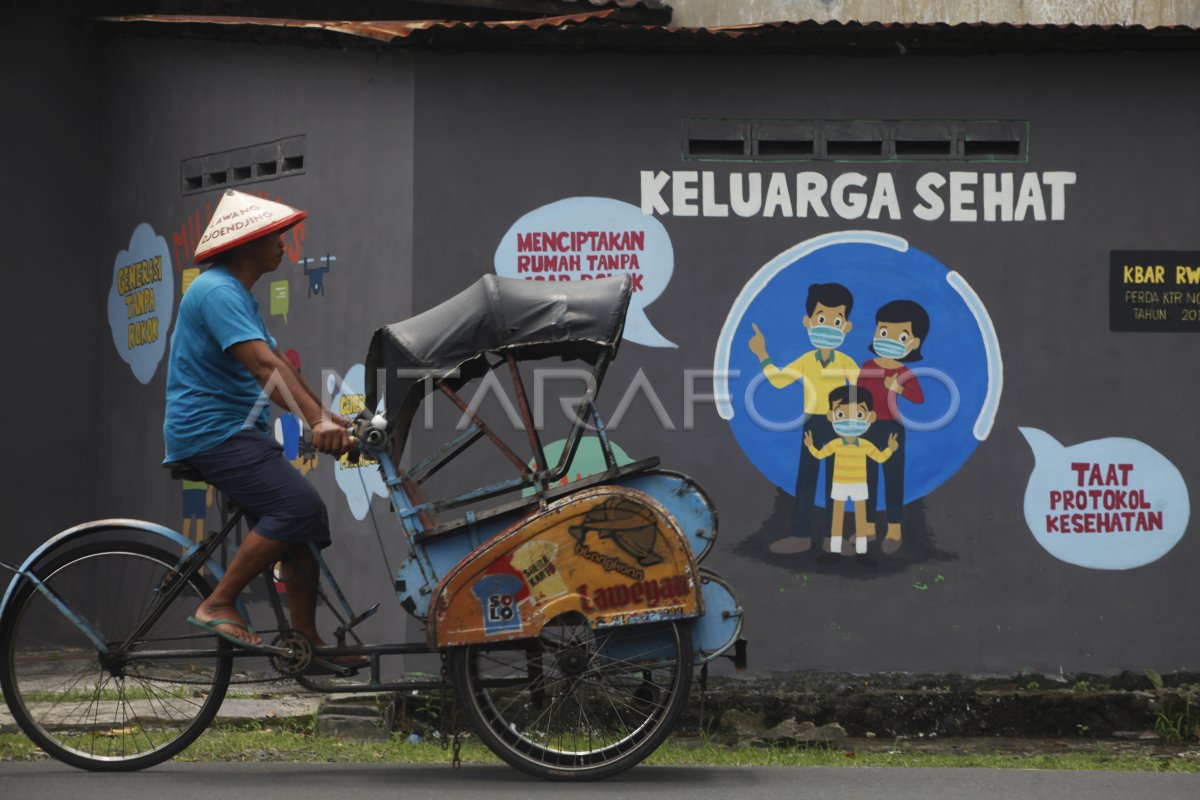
(854, 140)
(244, 165)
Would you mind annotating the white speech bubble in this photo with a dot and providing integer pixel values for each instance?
(586, 238)
(1104, 504)
(358, 481)
(141, 301)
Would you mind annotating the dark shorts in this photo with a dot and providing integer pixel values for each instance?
(280, 503)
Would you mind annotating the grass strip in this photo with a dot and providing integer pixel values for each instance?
(301, 745)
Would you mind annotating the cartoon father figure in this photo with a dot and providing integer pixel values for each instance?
(822, 370)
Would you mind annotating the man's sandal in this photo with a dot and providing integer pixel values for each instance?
(211, 627)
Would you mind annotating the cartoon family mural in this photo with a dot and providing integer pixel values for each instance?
(868, 415)
(843, 403)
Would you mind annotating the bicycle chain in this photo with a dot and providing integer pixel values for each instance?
(450, 725)
(232, 681)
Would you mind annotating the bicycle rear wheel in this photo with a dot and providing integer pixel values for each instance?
(126, 714)
(576, 704)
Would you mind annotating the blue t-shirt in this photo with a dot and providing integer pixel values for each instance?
(210, 394)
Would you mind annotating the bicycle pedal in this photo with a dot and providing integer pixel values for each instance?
(321, 667)
(340, 633)
(370, 612)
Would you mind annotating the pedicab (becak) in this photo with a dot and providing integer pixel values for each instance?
(569, 619)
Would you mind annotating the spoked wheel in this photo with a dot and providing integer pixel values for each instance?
(576, 703)
(101, 713)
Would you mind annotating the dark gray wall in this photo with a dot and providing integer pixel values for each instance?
(167, 101)
(500, 135)
(53, 309)
(418, 164)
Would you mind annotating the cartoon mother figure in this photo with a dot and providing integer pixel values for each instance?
(900, 328)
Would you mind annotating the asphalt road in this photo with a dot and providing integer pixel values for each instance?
(377, 782)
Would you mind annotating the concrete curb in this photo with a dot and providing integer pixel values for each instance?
(738, 710)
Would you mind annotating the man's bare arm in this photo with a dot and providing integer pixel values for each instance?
(338, 418)
(300, 376)
(264, 364)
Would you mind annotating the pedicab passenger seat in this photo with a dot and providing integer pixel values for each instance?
(453, 526)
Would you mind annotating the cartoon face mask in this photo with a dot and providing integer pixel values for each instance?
(890, 348)
(850, 428)
(825, 337)
(851, 421)
(827, 326)
(894, 340)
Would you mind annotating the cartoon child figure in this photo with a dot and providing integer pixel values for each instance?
(197, 499)
(901, 326)
(822, 369)
(851, 414)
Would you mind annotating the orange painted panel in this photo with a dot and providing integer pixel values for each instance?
(610, 553)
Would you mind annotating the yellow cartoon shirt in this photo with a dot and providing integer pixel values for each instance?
(819, 377)
(850, 458)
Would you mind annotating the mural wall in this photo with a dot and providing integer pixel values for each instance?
(931, 400)
(897, 375)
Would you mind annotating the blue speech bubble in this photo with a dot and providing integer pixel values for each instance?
(1105, 504)
(585, 238)
(141, 301)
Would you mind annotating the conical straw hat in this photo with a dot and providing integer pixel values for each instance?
(241, 217)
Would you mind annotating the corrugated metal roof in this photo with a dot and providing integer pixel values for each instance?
(760, 27)
(655, 12)
(596, 29)
(380, 30)
(650, 4)
(1148, 13)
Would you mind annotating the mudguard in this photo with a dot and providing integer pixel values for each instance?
(610, 553)
(72, 535)
(715, 633)
(682, 497)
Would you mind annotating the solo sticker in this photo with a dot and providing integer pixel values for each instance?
(1104, 504)
(588, 238)
(497, 596)
(141, 300)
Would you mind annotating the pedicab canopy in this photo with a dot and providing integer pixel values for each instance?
(241, 217)
(530, 319)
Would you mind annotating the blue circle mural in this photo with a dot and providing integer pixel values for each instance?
(950, 398)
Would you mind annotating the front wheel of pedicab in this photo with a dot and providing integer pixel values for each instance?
(576, 703)
(89, 709)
